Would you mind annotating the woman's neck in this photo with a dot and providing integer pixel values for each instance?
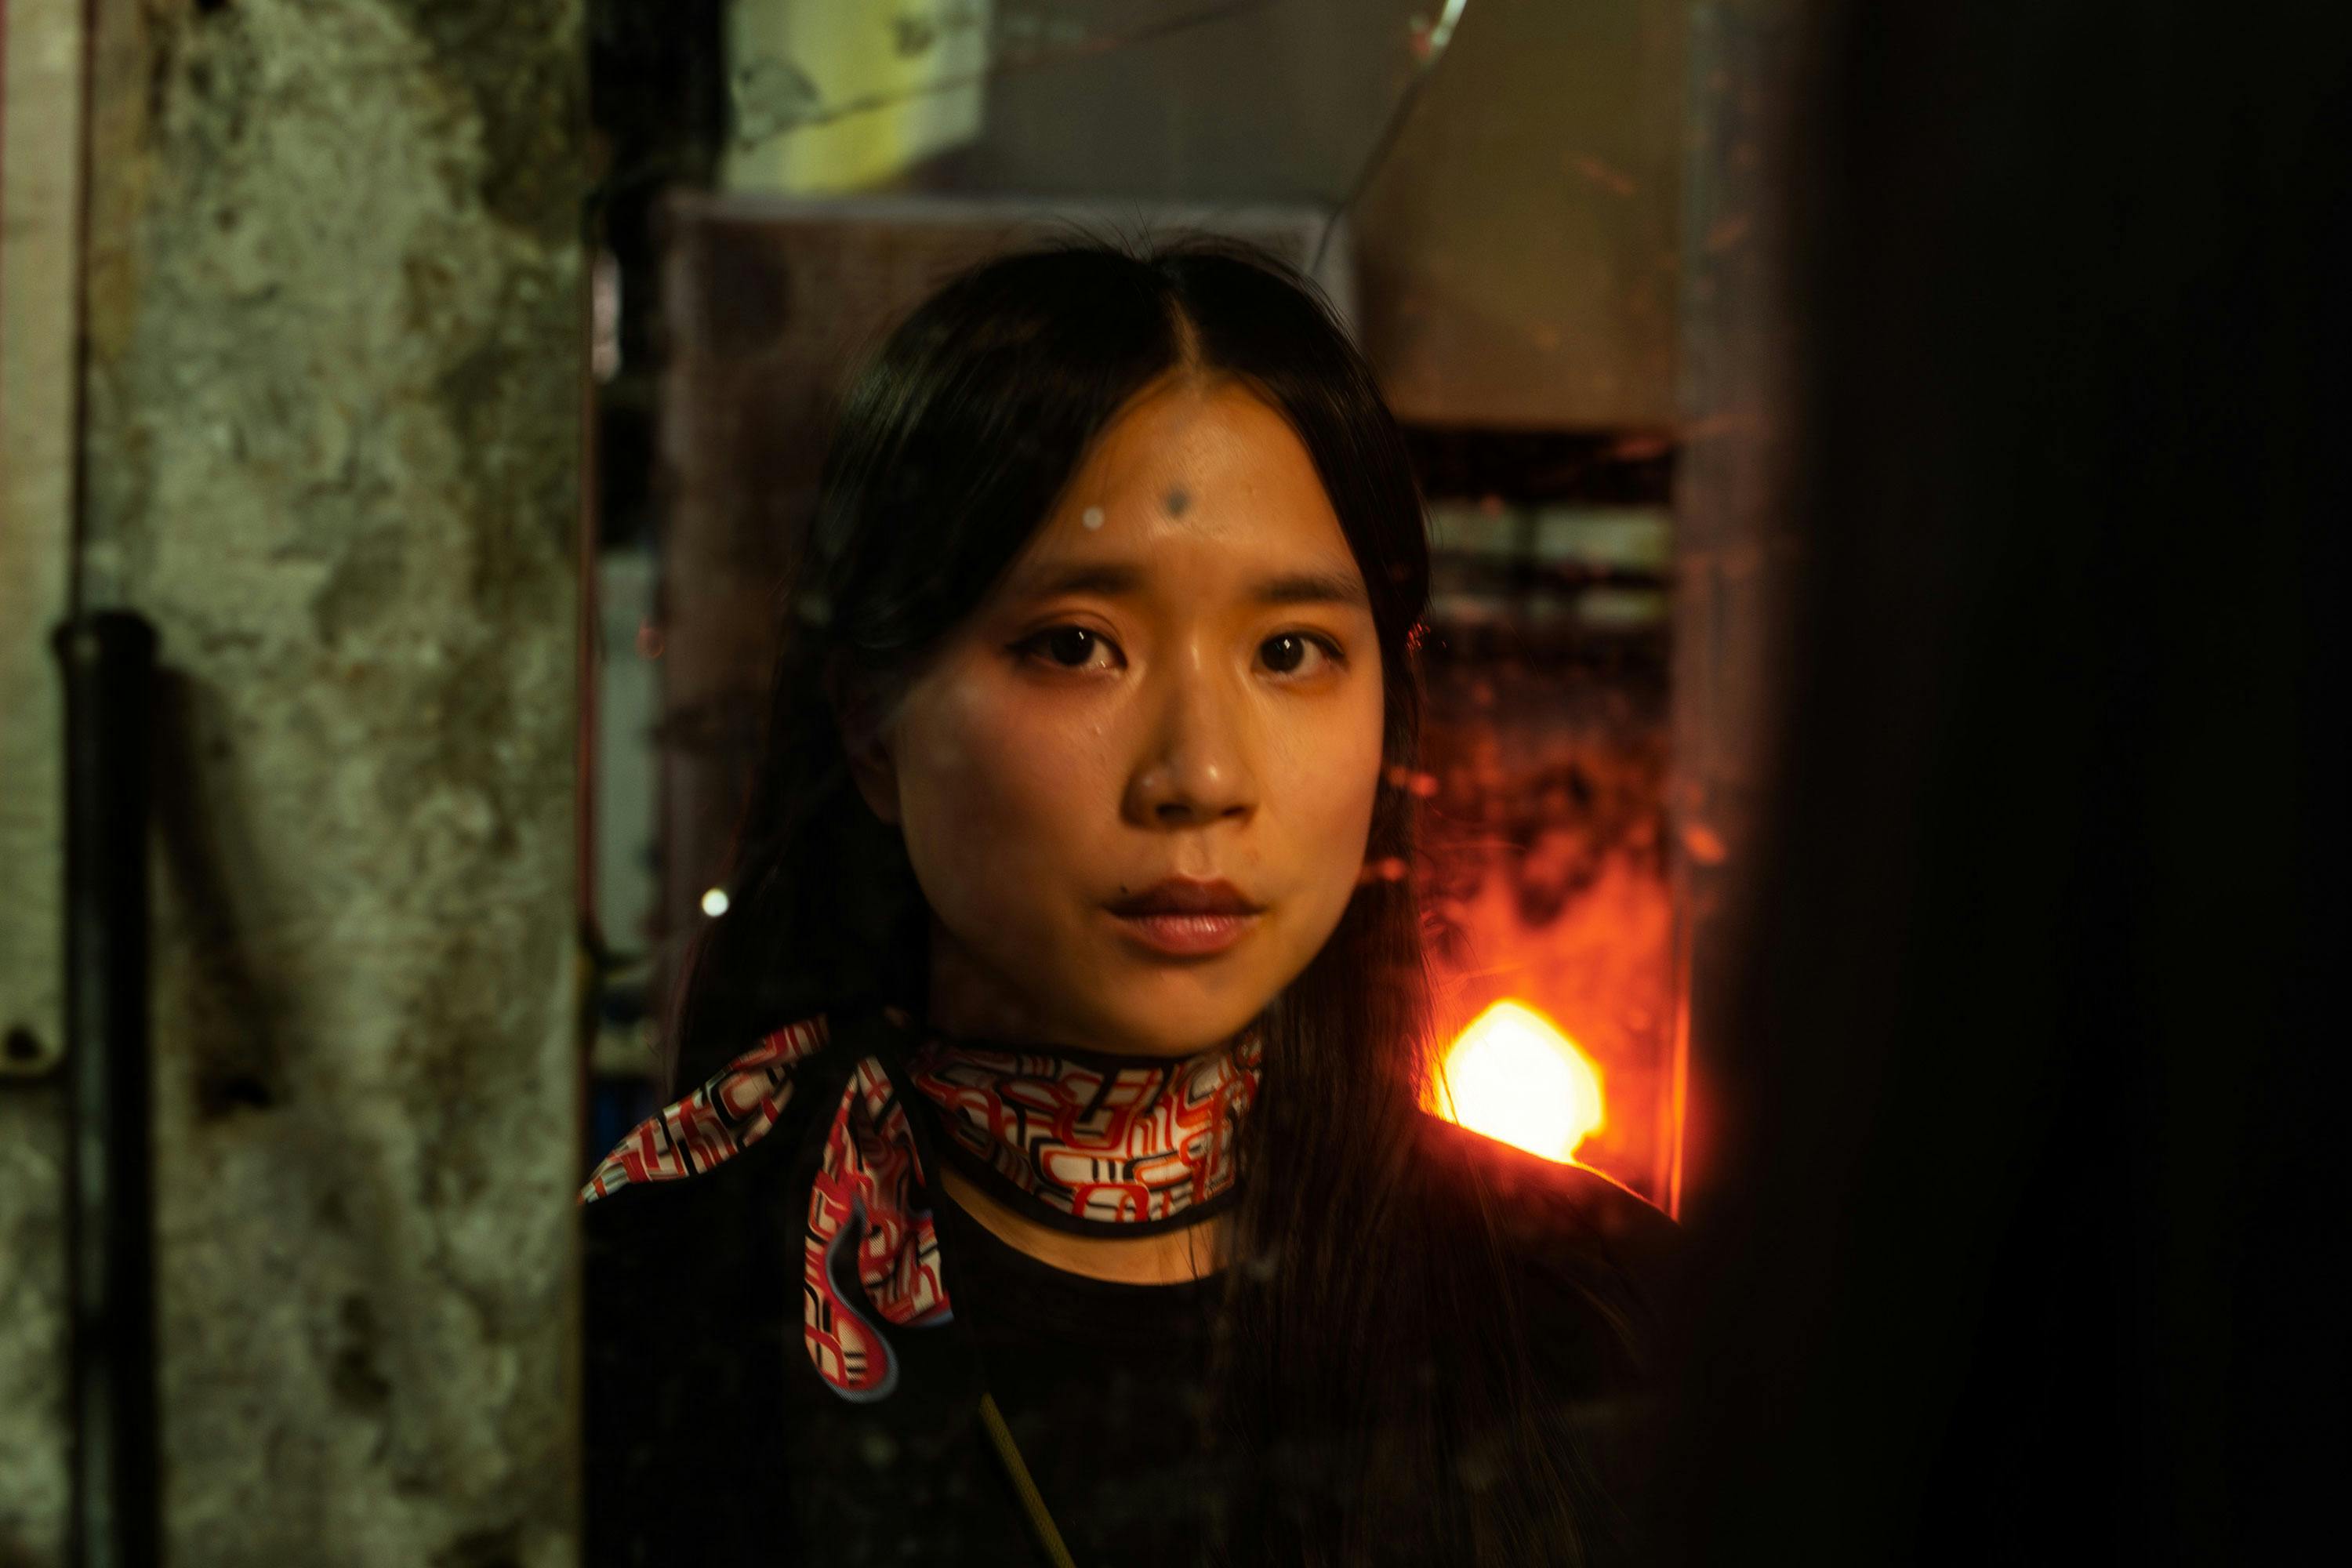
(964, 1001)
(1168, 1257)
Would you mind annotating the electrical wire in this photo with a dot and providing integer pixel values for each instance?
(1441, 37)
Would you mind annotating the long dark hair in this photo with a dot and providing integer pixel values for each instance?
(950, 450)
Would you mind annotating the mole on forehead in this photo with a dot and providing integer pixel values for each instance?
(1177, 502)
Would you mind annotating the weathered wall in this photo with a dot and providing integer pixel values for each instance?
(39, 165)
(332, 438)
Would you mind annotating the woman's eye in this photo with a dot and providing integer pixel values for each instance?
(1293, 652)
(1071, 647)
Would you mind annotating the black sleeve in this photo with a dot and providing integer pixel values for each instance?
(685, 1308)
(1600, 1288)
(1586, 1265)
(1584, 1251)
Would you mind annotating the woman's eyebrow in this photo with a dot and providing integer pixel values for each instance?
(1107, 578)
(1314, 588)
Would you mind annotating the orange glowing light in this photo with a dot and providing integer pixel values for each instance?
(1512, 1075)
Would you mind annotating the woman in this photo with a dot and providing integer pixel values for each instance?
(1059, 1181)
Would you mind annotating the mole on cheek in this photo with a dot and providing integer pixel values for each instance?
(1178, 501)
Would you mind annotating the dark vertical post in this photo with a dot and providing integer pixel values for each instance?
(1735, 553)
(108, 662)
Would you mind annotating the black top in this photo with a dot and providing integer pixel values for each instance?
(711, 1440)
(1102, 1385)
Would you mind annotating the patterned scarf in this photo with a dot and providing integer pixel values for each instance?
(1095, 1144)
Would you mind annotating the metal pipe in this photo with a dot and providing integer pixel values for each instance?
(109, 667)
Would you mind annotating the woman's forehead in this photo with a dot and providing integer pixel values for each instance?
(1189, 441)
(1192, 474)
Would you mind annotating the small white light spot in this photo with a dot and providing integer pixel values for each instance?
(714, 903)
(1092, 517)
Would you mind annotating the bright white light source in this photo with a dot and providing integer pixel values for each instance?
(1516, 1078)
(714, 903)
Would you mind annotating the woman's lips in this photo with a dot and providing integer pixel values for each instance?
(1187, 935)
(1187, 916)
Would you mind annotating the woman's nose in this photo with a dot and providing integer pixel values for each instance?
(1195, 768)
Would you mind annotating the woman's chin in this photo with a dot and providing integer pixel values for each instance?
(1169, 1033)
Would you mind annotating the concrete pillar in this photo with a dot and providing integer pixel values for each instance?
(331, 444)
(40, 163)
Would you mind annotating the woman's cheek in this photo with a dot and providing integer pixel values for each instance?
(991, 787)
(1039, 768)
(1327, 777)
(1335, 776)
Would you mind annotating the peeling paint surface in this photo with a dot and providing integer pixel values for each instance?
(334, 438)
(40, 140)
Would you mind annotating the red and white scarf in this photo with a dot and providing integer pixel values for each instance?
(1098, 1144)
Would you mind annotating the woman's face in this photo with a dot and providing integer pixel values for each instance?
(1176, 685)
